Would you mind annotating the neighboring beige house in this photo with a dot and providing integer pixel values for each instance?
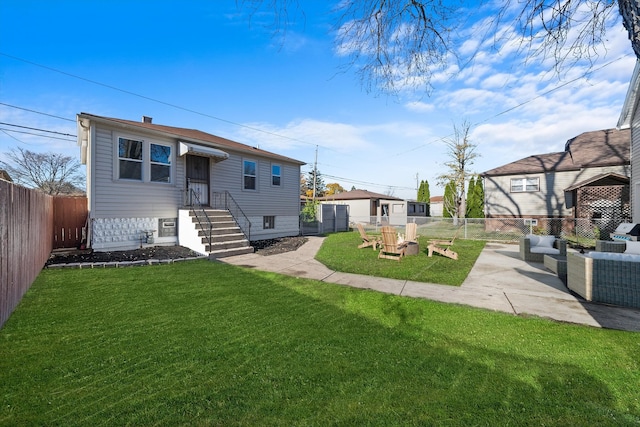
(550, 185)
(145, 179)
(369, 207)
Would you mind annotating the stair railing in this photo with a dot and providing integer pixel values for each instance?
(201, 215)
(224, 200)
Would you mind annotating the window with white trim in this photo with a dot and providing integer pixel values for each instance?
(129, 159)
(249, 174)
(143, 161)
(520, 185)
(276, 175)
(160, 160)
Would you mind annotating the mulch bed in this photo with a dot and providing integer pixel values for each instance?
(262, 247)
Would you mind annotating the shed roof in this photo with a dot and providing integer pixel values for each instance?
(609, 147)
(358, 195)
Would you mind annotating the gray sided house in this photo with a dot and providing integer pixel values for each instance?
(368, 207)
(588, 179)
(630, 119)
(146, 182)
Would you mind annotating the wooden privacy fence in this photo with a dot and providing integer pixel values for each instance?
(26, 227)
(69, 221)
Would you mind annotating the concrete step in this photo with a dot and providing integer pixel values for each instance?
(219, 231)
(216, 224)
(229, 244)
(211, 213)
(223, 238)
(230, 252)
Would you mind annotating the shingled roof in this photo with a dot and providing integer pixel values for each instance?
(609, 147)
(193, 135)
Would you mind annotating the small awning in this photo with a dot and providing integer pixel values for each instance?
(201, 150)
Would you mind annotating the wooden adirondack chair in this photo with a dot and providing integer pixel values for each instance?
(411, 232)
(367, 240)
(438, 246)
(390, 248)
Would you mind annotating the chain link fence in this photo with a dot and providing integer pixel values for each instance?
(579, 231)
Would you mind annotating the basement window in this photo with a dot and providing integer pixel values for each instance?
(269, 222)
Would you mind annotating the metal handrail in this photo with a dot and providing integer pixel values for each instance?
(194, 196)
(224, 200)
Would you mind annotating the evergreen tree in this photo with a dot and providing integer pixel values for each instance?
(424, 195)
(479, 190)
(319, 187)
(475, 199)
(471, 199)
(449, 203)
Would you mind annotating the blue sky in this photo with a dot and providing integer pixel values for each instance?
(209, 66)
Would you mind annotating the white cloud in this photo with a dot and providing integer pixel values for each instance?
(419, 107)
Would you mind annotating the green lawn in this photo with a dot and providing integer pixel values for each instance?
(203, 343)
(340, 252)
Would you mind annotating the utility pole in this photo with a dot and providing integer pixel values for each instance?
(417, 182)
(315, 168)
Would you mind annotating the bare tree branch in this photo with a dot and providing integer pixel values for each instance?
(51, 173)
(461, 153)
(393, 44)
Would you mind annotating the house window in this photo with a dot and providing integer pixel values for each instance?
(269, 222)
(130, 159)
(519, 185)
(249, 174)
(275, 175)
(421, 208)
(160, 163)
(143, 161)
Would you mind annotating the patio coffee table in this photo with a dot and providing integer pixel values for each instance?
(557, 264)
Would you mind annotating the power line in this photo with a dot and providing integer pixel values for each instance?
(168, 104)
(37, 112)
(268, 132)
(39, 130)
(35, 134)
(13, 137)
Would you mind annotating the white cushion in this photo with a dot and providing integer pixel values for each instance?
(533, 239)
(546, 241)
(613, 256)
(633, 248)
(544, 250)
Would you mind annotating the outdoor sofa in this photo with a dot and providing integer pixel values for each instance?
(609, 246)
(533, 248)
(606, 277)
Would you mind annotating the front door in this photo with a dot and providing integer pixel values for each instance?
(198, 179)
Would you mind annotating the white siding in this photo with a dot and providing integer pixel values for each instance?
(266, 199)
(111, 198)
(635, 166)
(549, 201)
(114, 198)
